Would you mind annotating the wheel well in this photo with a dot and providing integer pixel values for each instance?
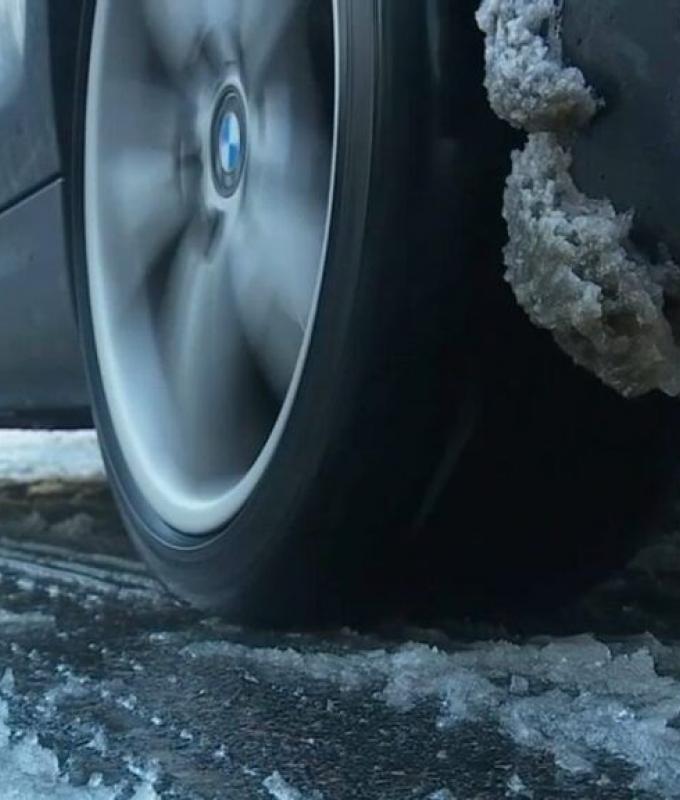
(64, 20)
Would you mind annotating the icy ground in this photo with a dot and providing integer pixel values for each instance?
(109, 689)
(49, 455)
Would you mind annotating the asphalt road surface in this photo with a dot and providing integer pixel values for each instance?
(111, 689)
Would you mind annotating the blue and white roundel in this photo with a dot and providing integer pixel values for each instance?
(230, 143)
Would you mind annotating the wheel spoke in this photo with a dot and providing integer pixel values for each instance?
(185, 31)
(208, 364)
(161, 122)
(264, 25)
(274, 265)
(277, 247)
(149, 209)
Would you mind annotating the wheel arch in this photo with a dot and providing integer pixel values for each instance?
(64, 25)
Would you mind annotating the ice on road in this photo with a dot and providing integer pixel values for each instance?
(110, 689)
(106, 678)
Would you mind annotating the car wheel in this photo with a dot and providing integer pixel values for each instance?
(270, 285)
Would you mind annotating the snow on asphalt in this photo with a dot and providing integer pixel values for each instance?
(29, 771)
(110, 690)
(572, 698)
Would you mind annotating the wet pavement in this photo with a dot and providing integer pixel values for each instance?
(138, 696)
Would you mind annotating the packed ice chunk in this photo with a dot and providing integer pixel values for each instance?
(145, 791)
(418, 672)
(441, 794)
(7, 684)
(30, 771)
(570, 259)
(517, 787)
(575, 272)
(527, 83)
(280, 789)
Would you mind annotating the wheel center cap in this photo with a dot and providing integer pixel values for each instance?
(229, 142)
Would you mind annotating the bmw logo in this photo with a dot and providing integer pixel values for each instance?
(229, 142)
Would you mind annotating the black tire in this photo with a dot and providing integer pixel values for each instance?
(380, 395)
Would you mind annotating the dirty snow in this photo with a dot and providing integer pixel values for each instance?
(573, 699)
(29, 456)
(527, 83)
(570, 259)
(575, 273)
